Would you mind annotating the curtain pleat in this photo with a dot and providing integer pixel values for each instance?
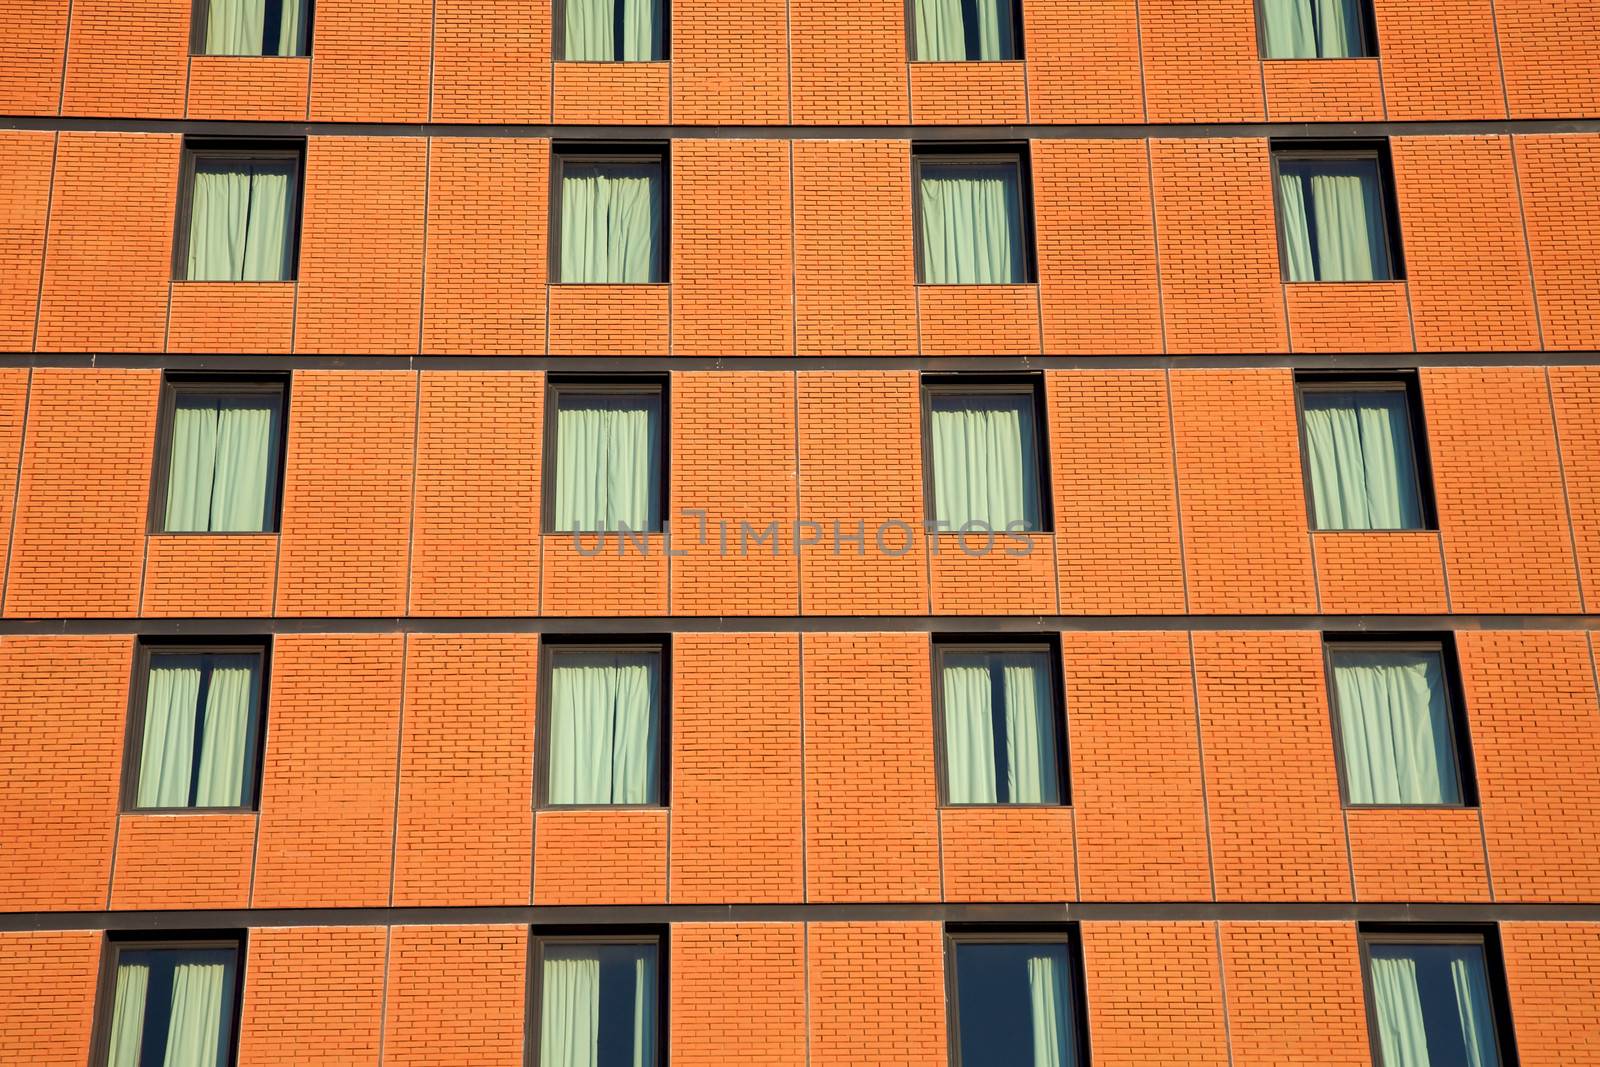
(940, 31)
(191, 468)
(1047, 988)
(569, 1022)
(1394, 730)
(968, 730)
(1363, 474)
(1296, 231)
(292, 29)
(1346, 236)
(971, 224)
(239, 222)
(1401, 1030)
(608, 464)
(235, 27)
(610, 223)
(984, 462)
(644, 1011)
(166, 760)
(127, 1015)
(603, 728)
(641, 31)
(219, 467)
(1030, 730)
(194, 1036)
(1312, 29)
(230, 702)
(1472, 1008)
(592, 27)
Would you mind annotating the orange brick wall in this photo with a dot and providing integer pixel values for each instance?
(46, 996)
(1155, 993)
(1548, 966)
(876, 994)
(27, 159)
(1294, 994)
(342, 1025)
(455, 996)
(759, 1020)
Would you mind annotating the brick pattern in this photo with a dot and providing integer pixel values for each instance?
(1083, 61)
(1220, 82)
(1318, 90)
(1548, 970)
(994, 320)
(248, 88)
(133, 58)
(1418, 855)
(847, 62)
(30, 59)
(217, 853)
(757, 1020)
(1548, 55)
(1575, 397)
(27, 159)
(612, 93)
(1346, 317)
(1002, 855)
(1294, 994)
(491, 62)
(610, 320)
(342, 1024)
(47, 982)
(590, 574)
(1381, 573)
(876, 994)
(988, 573)
(730, 62)
(595, 856)
(247, 317)
(1154, 994)
(372, 63)
(1554, 173)
(1439, 59)
(204, 575)
(456, 996)
(991, 93)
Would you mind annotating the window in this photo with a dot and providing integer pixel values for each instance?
(1333, 221)
(609, 468)
(997, 715)
(252, 27)
(1401, 738)
(955, 30)
(1363, 463)
(597, 1000)
(602, 724)
(1316, 29)
(194, 733)
(983, 441)
(611, 228)
(1015, 998)
(173, 1003)
(971, 217)
(1435, 997)
(239, 219)
(219, 455)
(611, 31)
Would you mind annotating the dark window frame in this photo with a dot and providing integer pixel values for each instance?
(201, 13)
(1485, 937)
(113, 945)
(602, 385)
(1306, 151)
(558, 37)
(1368, 33)
(1442, 644)
(1067, 934)
(540, 936)
(174, 384)
(550, 646)
(1049, 644)
(138, 696)
(1015, 153)
(1021, 52)
(564, 153)
(1421, 458)
(250, 151)
(991, 385)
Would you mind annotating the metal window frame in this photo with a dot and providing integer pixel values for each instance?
(175, 384)
(1416, 425)
(138, 696)
(1015, 153)
(113, 945)
(658, 644)
(253, 150)
(1066, 934)
(540, 936)
(911, 36)
(1050, 646)
(201, 13)
(558, 37)
(1367, 31)
(1443, 645)
(606, 385)
(564, 153)
(1312, 151)
(1487, 938)
(936, 385)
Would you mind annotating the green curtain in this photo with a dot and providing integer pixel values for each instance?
(1329, 212)
(569, 1020)
(985, 464)
(218, 478)
(127, 1015)
(972, 771)
(611, 223)
(968, 730)
(1401, 1030)
(1312, 29)
(230, 709)
(1296, 229)
(604, 723)
(168, 762)
(1433, 1006)
(1472, 1008)
(608, 462)
(255, 28)
(194, 1035)
(167, 758)
(971, 224)
(1047, 989)
(1394, 729)
(1030, 729)
(956, 30)
(644, 1011)
(240, 221)
(1363, 474)
(599, 31)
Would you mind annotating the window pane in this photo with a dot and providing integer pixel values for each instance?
(611, 222)
(598, 1006)
(1012, 1005)
(199, 719)
(971, 223)
(985, 463)
(1312, 29)
(1363, 471)
(221, 472)
(964, 29)
(256, 27)
(614, 30)
(172, 1007)
(605, 712)
(1433, 1006)
(240, 220)
(1394, 728)
(1331, 216)
(999, 729)
(608, 462)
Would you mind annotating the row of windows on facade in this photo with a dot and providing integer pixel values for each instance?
(972, 218)
(937, 30)
(1435, 997)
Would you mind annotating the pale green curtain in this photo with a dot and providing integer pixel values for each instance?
(971, 224)
(167, 759)
(969, 730)
(1330, 215)
(127, 1015)
(1030, 729)
(230, 709)
(1296, 229)
(255, 28)
(1027, 721)
(218, 478)
(598, 31)
(1472, 1008)
(1363, 474)
(644, 1011)
(608, 462)
(611, 223)
(1312, 29)
(1394, 728)
(1047, 988)
(569, 1021)
(956, 30)
(167, 763)
(985, 465)
(1401, 1031)
(194, 1036)
(604, 720)
(239, 221)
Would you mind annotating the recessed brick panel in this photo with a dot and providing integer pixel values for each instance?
(758, 1020)
(342, 1024)
(961, 93)
(1322, 90)
(247, 317)
(456, 996)
(596, 856)
(1007, 854)
(1381, 573)
(1349, 317)
(217, 850)
(372, 61)
(1294, 994)
(1155, 994)
(249, 88)
(876, 994)
(1418, 854)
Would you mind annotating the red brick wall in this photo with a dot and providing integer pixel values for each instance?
(455, 996)
(1155, 994)
(27, 159)
(760, 1019)
(47, 995)
(1294, 994)
(342, 1024)
(876, 994)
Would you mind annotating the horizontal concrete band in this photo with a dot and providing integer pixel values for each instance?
(662, 914)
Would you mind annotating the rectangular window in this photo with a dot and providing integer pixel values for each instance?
(611, 31)
(964, 30)
(596, 1000)
(1435, 998)
(252, 27)
(195, 729)
(239, 219)
(1015, 997)
(984, 444)
(168, 1002)
(605, 466)
(1363, 464)
(1398, 724)
(602, 724)
(1333, 218)
(219, 455)
(998, 720)
(1316, 29)
(972, 217)
(611, 223)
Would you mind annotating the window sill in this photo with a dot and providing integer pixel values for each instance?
(1005, 807)
(976, 285)
(188, 811)
(1370, 281)
(964, 62)
(233, 281)
(1316, 59)
(210, 533)
(1411, 807)
(230, 55)
(541, 808)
